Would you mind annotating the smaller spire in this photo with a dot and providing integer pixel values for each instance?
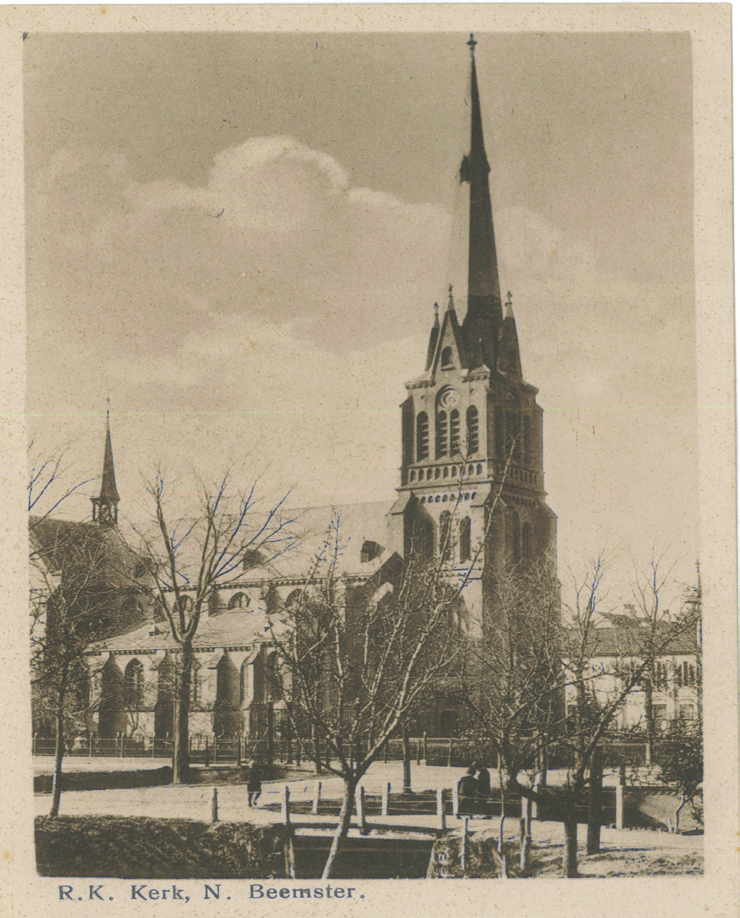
(509, 311)
(433, 337)
(450, 300)
(436, 315)
(105, 506)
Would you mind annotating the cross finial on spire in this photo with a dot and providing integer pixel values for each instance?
(472, 43)
(451, 300)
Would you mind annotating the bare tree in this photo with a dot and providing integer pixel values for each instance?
(193, 554)
(48, 483)
(73, 601)
(356, 660)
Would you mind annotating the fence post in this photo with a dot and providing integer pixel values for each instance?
(455, 800)
(360, 802)
(464, 846)
(316, 798)
(535, 805)
(424, 747)
(385, 798)
(215, 749)
(418, 751)
(214, 806)
(441, 809)
(121, 753)
(648, 754)
(270, 734)
(524, 843)
(449, 755)
(620, 806)
(285, 805)
(89, 746)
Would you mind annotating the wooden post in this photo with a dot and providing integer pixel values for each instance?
(441, 809)
(215, 749)
(522, 829)
(648, 754)
(504, 867)
(593, 836)
(455, 800)
(620, 806)
(449, 755)
(424, 747)
(464, 846)
(208, 754)
(535, 805)
(122, 738)
(527, 815)
(89, 745)
(418, 751)
(385, 799)
(623, 774)
(316, 798)
(360, 801)
(239, 750)
(285, 806)
(524, 853)
(214, 806)
(34, 743)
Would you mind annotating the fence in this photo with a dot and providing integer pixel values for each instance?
(265, 747)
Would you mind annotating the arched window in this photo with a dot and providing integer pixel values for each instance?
(447, 357)
(112, 715)
(454, 432)
(226, 718)
(527, 457)
(239, 601)
(445, 534)
(526, 541)
(424, 540)
(196, 683)
(499, 432)
(133, 686)
(164, 709)
(422, 436)
(512, 435)
(442, 431)
(514, 544)
(471, 419)
(465, 529)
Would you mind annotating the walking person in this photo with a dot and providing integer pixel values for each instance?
(254, 783)
(467, 789)
(484, 781)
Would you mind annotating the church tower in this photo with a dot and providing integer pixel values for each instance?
(471, 425)
(105, 506)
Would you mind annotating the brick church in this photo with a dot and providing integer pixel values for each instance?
(471, 443)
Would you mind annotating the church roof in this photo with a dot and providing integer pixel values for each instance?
(630, 640)
(357, 524)
(230, 629)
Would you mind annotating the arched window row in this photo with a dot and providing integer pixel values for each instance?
(685, 674)
(422, 436)
(441, 472)
(424, 537)
(443, 498)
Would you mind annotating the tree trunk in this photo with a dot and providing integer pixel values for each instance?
(677, 812)
(406, 760)
(649, 718)
(181, 744)
(316, 749)
(593, 838)
(570, 852)
(345, 817)
(56, 788)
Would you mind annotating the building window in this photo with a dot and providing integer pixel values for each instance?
(239, 601)
(471, 419)
(446, 357)
(687, 711)
(133, 686)
(196, 683)
(527, 457)
(526, 541)
(424, 540)
(454, 432)
(422, 436)
(686, 674)
(445, 534)
(465, 528)
(499, 428)
(442, 441)
(514, 543)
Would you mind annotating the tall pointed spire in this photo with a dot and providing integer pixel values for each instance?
(105, 506)
(484, 294)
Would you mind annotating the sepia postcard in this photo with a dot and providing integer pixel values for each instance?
(369, 450)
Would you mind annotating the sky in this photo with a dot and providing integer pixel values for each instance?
(238, 239)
